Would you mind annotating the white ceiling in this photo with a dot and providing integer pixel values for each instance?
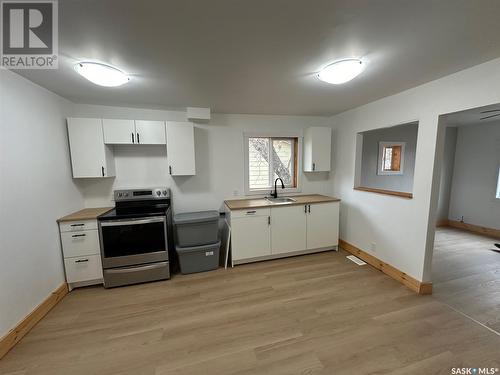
(260, 56)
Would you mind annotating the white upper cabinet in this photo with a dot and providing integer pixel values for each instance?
(317, 149)
(180, 148)
(128, 132)
(119, 131)
(150, 132)
(90, 157)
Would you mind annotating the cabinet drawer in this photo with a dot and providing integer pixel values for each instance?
(83, 268)
(250, 212)
(73, 226)
(80, 243)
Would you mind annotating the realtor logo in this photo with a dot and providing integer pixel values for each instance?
(29, 34)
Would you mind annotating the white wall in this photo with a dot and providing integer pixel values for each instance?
(402, 229)
(219, 159)
(35, 189)
(475, 176)
(448, 163)
(370, 158)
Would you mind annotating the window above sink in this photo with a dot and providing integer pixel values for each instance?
(268, 157)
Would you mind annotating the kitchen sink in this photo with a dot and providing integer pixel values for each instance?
(280, 200)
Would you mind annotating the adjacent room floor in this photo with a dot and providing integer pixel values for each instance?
(466, 275)
(311, 314)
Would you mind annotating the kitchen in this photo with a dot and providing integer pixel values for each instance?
(259, 228)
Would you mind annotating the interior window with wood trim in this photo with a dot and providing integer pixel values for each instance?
(270, 158)
(391, 158)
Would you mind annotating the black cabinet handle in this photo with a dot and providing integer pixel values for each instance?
(170, 169)
(269, 220)
(81, 260)
(305, 209)
(309, 209)
(132, 137)
(102, 170)
(138, 139)
(79, 235)
(314, 166)
(77, 225)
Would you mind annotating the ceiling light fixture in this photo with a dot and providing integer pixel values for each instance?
(341, 71)
(102, 74)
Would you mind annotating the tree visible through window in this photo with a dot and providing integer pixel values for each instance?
(270, 158)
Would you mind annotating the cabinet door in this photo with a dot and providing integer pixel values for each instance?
(89, 155)
(250, 237)
(317, 149)
(180, 148)
(150, 132)
(288, 229)
(323, 225)
(119, 131)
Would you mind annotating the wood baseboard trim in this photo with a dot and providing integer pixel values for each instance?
(490, 232)
(24, 326)
(415, 285)
(442, 223)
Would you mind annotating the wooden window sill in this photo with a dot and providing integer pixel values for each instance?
(386, 192)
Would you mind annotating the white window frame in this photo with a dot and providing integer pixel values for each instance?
(267, 191)
(498, 184)
(381, 146)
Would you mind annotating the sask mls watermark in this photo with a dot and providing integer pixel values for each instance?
(29, 34)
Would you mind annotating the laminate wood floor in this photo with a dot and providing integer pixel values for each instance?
(313, 314)
(466, 275)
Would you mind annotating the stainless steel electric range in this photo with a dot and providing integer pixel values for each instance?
(135, 237)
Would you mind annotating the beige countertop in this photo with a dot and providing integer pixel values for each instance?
(243, 204)
(85, 214)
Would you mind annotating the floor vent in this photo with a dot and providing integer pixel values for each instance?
(356, 260)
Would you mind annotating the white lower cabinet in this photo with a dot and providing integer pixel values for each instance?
(322, 225)
(81, 252)
(288, 229)
(251, 234)
(276, 231)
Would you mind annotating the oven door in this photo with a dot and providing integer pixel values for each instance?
(128, 242)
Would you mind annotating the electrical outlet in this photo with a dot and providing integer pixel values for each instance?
(236, 193)
(373, 247)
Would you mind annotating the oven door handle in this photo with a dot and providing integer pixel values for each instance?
(115, 223)
(137, 268)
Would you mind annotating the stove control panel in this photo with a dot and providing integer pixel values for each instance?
(142, 194)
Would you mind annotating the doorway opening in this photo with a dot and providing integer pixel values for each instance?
(466, 261)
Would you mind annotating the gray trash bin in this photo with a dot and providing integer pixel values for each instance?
(198, 258)
(196, 228)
